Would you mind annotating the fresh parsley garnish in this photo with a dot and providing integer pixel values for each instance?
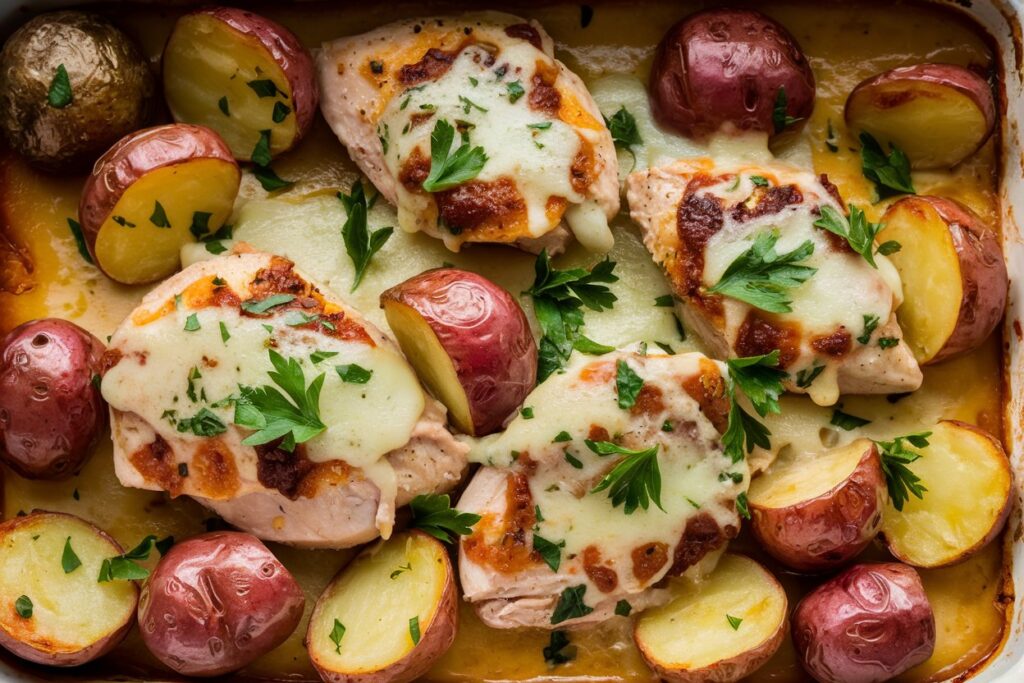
(857, 230)
(781, 119)
(448, 168)
(280, 113)
(222, 104)
(353, 373)
(761, 277)
(515, 91)
(224, 334)
(888, 342)
(263, 87)
(888, 248)
(591, 347)
(401, 570)
(549, 551)
(634, 481)
(262, 306)
(261, 151)
(846, 421)
(433, 513)
(159, 217)
(59, 94)
(889, 172)
(665, 301)
(269, 180)
(76, 232)
(126, 568)
(200, 224)
(360, 243)
(625, 134)
(527, 412)
(733, 621)
(572, 460)
(831, 141)
(562, 437)
(23, 606)
(269, 412)
(806, 377)
(570, 605)
(69, 560)
(192, 323)
(321, 356)
(899, 479)
(623, 608)
(742, 506)
(558, 650)
(337, 633)
(627, 384)
(870, 324)
(761, 381)
(203, 423)
(759, 181)
(414, 630)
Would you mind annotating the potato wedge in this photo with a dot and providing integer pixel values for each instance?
(817, 515)
(153, 192)
(969, 481)
(51, 615)
(938, 114)
(953, 304)
(387, 616)
(242, 75)
(720, 629)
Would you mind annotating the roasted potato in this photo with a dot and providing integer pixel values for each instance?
(938, 114)
(730, 67)
(51, 410)
(720, 629)
(388, 615)
(216, 602)
(819, 514)
(71, 84)
(153, 192)
(469, 341)
(244, 76)
(953, 273)
(867, 625)
(54, 611)
(969, 482)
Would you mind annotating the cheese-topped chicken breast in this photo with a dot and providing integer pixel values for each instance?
(471, 127)
(739, 246)
(602, 493)
(242, 384)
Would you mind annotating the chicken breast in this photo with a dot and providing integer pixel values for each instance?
(699, 218)
(491, 79)
(242, 384)
(553, 545)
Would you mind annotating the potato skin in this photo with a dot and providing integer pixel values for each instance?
(867, 625)
(229, 601)
(289, 53)
(692, 93)
(111, 82)
(51, 411)
(485, 333)
(827, 531)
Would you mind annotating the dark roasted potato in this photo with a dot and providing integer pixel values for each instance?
(51, 411)
(109, 89)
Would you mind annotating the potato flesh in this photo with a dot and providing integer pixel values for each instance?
(145, 253)
(937, 126)
(376, 608)
(968, 480)
(789, 483)
(929, 268)
(692, 631)
(69, 611)
(206, 60)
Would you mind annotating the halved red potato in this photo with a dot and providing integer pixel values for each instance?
(953, 273)
(720, 629)
(469, 341)
(242, 75)
(816, 515)
(387, 616)
(938, 114)
(53, 616)
(870, 623)
(153, 192)
(969, 481)
(730, 66)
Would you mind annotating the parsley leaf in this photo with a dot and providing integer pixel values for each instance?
(623, 608)
(742, 506)
(870, 323)
(806, 377)
(414, 630)
(570, 605)
(192, 323)
(261, 306)
(627, 384)
(159, 217)
(261, 151)
(559, 651)
(280, 113)
(846, 421)
(76, 232)
(733, 621)
(360, 243)
(623, 128)
(899, 479)
(890, 173)
(222, 104)
(126, 568)
(857, 230)
(263, 87)
(888, 342)
(549, 551)
(759, 379)
(401, 570)
(434, 514)
(269, 180)
(321, 356)
(515, 91)
(635, 480)
(781, 119)
(69, 560)
(337, 633)
(760, 276)
(203, 423)
(888, 248)
(353, 373)
(268, 411)
(448, 168)
(59, 95)
(23, 606)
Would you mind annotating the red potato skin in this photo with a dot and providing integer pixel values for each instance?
(485, 333)
(725, 66)
(216, 602)
(830, 530)
(289, 53)
(51, 411)
(866, 625)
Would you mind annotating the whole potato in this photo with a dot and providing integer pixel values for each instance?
(51, 410)
(729, 66)
(216, 602)
(111, 86)
(866, 625)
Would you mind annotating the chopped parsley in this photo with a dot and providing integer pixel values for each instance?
(337, 633)
(559, 650)
(562, 437)
(870, 324)
(159, 217)
(741, 505)
(570, 605)
(468, 104)
(433, 513)
(857, 230)
(761, 381)
(759, 181)
(733, 621)
(572, 460)
(222, 104)
(845, 421)
(634, 481)
(591, 347)
(269, 180)
(806, 377)
(414, 630)
(888, 342)
(262, 306)
(23, 606)
(224, 334)
(59, 95)
(401, 569)
(69, 560)
(203, 423)
(831, 141)
(280, 113)
(549, 551)
(321, 356)
(527, 412)
(360, 242)
(515, 91)
(627, 384)
(269, 412)
(353, 373)
(192, 323)
(625, 134)
(896, 456)
(126, 568)
(761, 277)
(623, 608)
(888, 248)
(264, 87)
(447, 168)
(665, 300)
(261, 151)
(889, 172)
(781, 119)
(122, 221)
(76, 232)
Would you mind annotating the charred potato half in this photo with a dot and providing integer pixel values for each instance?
(71, 84)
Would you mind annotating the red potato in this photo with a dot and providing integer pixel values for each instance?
(153, 192)
(51, 615)
(218, 65)
(951, 306)
(938, 114)
(867, 625)
(216, 602)
(469, 341)
(816, 515)
(51, 410)
(969, 484)
(728, 66)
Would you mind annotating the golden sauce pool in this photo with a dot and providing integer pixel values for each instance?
(42, 275)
